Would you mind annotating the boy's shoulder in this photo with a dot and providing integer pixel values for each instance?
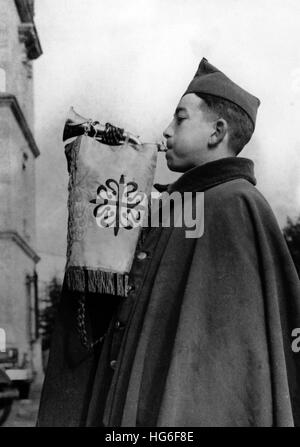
(237, 195)
(232, 190)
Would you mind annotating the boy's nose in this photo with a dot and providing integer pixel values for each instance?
(168, 132)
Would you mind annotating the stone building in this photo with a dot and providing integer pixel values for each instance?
(19, 46)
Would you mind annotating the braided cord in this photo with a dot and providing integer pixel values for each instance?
(81, 326)
(112, 135)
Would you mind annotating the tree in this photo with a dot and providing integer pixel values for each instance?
(291, 233)
(49, 312)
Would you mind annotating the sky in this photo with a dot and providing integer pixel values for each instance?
(129, 62)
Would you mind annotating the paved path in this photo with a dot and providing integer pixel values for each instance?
(24, 412)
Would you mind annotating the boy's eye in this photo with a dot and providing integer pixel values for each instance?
(180, 118)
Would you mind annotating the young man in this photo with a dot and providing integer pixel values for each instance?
(204, 335)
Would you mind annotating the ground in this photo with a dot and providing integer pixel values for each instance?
(24, 412)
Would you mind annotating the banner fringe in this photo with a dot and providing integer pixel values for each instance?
(96, 281)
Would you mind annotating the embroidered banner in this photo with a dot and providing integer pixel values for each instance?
(107, 187)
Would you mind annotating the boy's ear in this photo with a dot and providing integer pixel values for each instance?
(218, 134)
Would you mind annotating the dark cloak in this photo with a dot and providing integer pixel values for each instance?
(204, 337)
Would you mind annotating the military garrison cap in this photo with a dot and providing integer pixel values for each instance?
(210, 80)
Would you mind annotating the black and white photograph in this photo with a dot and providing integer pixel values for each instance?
(149, 216)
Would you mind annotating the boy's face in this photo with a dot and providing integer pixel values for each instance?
(188, 135)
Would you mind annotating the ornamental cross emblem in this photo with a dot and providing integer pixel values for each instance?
(119, 205)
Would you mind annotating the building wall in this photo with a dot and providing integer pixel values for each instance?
(15, 301)
(17, 180)
(17, 215)
(5, 164)
(17, 188)
(13, 59)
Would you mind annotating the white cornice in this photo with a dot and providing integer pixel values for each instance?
(9, 100)
(27, 30)
(14, 236)
(25, 10)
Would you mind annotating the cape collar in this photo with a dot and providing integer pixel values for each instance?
(214, 173)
